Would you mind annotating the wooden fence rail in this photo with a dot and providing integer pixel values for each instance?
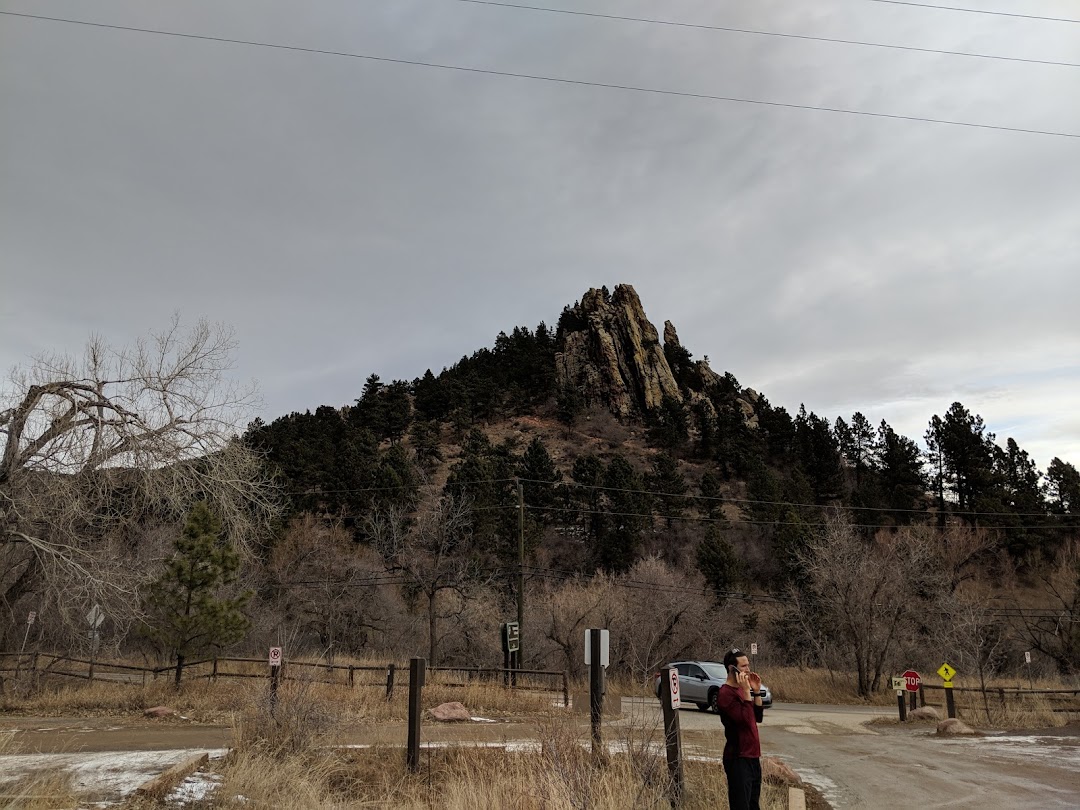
(45, 663)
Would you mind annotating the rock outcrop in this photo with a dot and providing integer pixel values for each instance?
(611, 353)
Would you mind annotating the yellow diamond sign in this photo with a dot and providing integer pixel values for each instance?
(946, 672)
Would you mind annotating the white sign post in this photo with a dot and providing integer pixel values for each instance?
(753, 648)
(673, 685)
(275, 656)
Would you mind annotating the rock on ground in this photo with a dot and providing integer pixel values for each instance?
(924, 713)
(954, 726)
(159, 711)
(776, 770)
(450, 712)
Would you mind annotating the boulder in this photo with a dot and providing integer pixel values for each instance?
(924, 713)
(954, 727)
(777, 771)
(453, 712)
(159, 711)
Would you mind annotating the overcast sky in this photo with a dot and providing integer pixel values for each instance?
(350, 216)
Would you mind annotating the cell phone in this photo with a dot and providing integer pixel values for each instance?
(732, 670)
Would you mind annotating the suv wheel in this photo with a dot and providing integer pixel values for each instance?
(714, 694)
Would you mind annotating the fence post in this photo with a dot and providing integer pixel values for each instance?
(565, 689)
(390, 680)
(950, 701)
(1001, 696)
(352, 676)
(213, 673)
(417, 667)
(922, 695)
(672, 737)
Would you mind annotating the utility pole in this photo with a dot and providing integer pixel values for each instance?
(521, 570)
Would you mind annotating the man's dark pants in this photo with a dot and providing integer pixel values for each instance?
(744, 783)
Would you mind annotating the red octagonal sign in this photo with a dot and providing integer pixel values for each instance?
(912, 680)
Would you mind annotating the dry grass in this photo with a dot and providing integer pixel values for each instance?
(562, 775)
(39, 790)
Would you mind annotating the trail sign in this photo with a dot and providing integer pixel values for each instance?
(33, 615)
(673, 685)
(912, 681)
(753, 648)
(511, 636)
(1027, 654)
(946, 672)
(275, 656)
(898, 683)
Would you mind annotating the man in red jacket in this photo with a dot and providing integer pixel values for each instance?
(739, 704)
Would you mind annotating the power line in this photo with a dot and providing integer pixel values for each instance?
(975, 11)
(557, 80)
(758, 32)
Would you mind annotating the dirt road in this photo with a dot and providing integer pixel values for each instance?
(891, 766)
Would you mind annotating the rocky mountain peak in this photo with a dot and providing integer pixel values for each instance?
(611, 353)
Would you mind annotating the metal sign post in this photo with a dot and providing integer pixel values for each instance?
(94, 618)
(947, 673)
(275, 675)
(1027, 665)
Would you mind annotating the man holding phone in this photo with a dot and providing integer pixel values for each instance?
(739, 704)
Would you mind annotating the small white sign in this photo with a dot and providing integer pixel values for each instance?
(1027, 656)
(31, 616)
(753, 648)
(275, 656)
(603, 647)
(673, 685)
(95, 617)
(899, 683)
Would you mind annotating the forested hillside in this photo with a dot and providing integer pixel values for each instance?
(713, 483)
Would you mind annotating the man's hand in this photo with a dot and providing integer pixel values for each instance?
(743, 680)
(754, 680)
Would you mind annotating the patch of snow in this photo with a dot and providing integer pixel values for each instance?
(482, 720)
(108, 775)
(195, 788)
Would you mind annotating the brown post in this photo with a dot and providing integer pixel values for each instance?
(950, 701)
(922, 695)
(275, 674)
(417, 667)
(672, 737)
(1001, 696)
(902, 705)
(565, 689)
(213, 672)
(390, 680)
(913, 704)
(352, 677)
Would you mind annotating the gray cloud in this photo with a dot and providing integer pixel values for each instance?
(351, 217)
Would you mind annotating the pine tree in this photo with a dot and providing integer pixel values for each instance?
(719, 564)
(187, 616)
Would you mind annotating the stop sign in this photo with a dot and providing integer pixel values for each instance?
(912, 680)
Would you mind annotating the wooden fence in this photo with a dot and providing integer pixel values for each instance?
(347, 675)
(973, 698)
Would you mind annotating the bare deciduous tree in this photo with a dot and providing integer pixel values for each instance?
(859, 594)
(329, 586)
(93, 449)
(431, 552)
